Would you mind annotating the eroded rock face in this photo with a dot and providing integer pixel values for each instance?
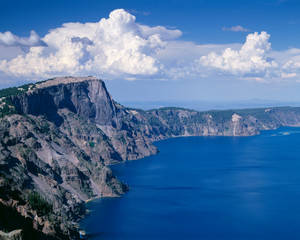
(88, 99)
(54, 154)
(13, 235)
(38, 157)
(55, 148)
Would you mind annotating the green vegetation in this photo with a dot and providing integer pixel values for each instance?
(92, 144)
(44, 127)
(221, 116)
(120, 137)
(154, 121)
(6, 108)
(13, 91)
(38, 203)
(171, 109)
(24, 151)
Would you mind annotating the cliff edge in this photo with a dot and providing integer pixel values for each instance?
(58, 137)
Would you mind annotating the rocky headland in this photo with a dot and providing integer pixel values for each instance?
(58, 137)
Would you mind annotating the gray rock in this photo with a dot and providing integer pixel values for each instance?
(55, 152)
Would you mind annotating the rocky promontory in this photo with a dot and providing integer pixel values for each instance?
(58, 137)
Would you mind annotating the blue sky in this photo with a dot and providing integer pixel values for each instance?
(200, 20)
(157, 50)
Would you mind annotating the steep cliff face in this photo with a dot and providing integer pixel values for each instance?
(55, 152)
(88, 99)
(58, 137)
(247, 122)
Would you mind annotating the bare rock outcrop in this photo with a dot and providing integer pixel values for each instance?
(58, 138)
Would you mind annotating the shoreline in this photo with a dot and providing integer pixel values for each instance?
(97, 198)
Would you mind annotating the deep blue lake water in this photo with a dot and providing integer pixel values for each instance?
(210, 188)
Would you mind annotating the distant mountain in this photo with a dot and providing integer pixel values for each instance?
(58, 137)
(206, 105)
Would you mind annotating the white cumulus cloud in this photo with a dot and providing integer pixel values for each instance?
(164, 33)
(293, 63)
(116, 46)
(9, 39)
(251, 58)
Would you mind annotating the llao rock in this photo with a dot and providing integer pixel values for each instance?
(86, 97)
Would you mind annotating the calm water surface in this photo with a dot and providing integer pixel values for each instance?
(210, 188)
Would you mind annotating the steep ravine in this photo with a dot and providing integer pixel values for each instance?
(58, 137)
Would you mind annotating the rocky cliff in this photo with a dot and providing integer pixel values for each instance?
(58, 137)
